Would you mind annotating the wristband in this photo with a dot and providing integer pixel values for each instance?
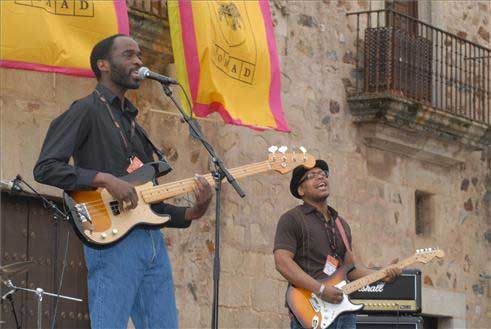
(321, 289)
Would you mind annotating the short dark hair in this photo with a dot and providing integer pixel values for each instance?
(102, 50)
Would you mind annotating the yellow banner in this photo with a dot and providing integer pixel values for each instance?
(226, 58)
(57, 35)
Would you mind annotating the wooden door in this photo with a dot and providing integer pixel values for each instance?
(28, 232)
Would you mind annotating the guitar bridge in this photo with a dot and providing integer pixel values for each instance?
(83, 213)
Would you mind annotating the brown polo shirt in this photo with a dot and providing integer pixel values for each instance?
(304, 231)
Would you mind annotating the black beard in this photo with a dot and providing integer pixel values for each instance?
(120, 78)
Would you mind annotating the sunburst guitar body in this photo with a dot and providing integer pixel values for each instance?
(313, 312)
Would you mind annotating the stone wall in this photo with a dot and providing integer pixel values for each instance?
(374, 190)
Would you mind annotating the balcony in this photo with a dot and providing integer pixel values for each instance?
(419, 91)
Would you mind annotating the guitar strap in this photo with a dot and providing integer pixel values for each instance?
(343, 233)
(134, 126)
(157, 151)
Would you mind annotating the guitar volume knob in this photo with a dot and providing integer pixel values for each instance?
(114, 231)
(103, 235)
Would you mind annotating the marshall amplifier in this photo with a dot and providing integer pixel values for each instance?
(401, 296)
(388, 322)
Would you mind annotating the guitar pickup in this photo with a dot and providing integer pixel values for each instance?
(115, 207)
(315, 303)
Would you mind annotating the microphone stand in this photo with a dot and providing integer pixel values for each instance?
(40, 294)
(218, 174)
(8, 296)
(57, 213)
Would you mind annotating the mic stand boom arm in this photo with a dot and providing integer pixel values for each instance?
(219, 173)
(57, 213)
(197, 133)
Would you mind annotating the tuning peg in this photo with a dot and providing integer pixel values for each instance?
(304, 152)
(283, 149)
(418, 251)
(272, 149)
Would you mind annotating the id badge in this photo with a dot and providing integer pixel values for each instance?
(135, 164)
(331, 265)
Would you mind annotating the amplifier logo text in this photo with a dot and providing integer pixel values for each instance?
(378, 288)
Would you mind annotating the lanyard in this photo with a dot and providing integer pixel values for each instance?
(332, 242)
(118, 126)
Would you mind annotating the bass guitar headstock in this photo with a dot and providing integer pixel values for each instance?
(284, 162)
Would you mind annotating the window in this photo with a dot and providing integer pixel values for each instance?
(424, 210)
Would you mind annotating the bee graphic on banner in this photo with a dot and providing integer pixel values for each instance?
(235, 50)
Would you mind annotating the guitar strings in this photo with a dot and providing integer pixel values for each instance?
(235, 171)
(176, 186)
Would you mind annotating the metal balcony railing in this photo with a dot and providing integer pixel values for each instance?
(157, 8)
(401, 56)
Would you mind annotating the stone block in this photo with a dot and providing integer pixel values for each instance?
(257, 237)
(268, 320)
(28, 85)
(235, 290)
(454, 306)
(232, 259)
(264, 295)
(247, 318)
(227, 318)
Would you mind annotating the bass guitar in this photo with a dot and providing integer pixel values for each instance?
(313, 312)
(101, 220)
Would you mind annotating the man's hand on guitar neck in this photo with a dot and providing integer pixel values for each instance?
(202, 192)
(392, 272)
(121, 190)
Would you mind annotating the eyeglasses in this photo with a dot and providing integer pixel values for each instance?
(312, 175)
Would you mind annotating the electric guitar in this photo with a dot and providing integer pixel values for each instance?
(101, 220)
(313, 312)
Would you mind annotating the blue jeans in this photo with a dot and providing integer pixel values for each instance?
(131, 278)
(344, 321)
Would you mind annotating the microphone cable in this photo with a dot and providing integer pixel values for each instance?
(58, 293)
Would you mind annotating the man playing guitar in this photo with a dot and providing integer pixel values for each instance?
(312, 241)
(131, 277)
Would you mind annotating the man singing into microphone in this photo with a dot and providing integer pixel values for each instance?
(132, 277)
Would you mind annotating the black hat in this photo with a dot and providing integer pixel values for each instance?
(298, 173)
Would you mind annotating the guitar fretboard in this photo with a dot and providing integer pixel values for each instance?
(166, 191)
(375, 276)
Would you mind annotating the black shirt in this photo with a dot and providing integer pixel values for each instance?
(87, 133)
(304, 232)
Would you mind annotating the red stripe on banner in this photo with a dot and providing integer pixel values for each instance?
(46, 68)
(202, 110)
(122, 16)
(275, 87)
(190, 48)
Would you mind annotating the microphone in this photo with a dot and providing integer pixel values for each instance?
(145, 73)
(11, 186)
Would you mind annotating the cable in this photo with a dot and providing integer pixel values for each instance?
(61, 279)
(187, 100)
